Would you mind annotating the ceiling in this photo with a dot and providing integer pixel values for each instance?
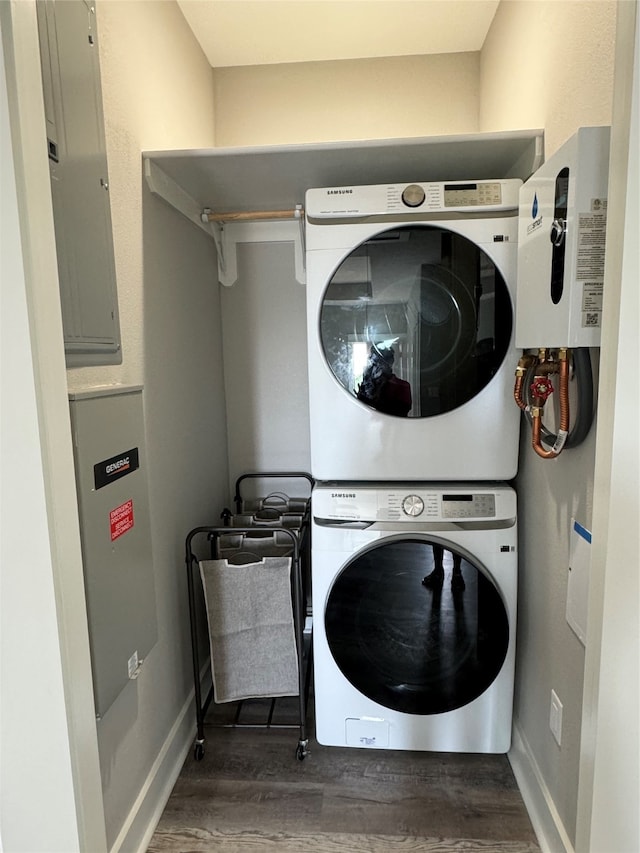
(264, 32)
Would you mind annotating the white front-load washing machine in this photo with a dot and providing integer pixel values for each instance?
(414, 600)
(410, 307)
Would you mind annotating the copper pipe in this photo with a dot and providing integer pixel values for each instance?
(517, 391)
(546, 368)
(536, 442)
(536, 411)
(563, 355)
(525, 362)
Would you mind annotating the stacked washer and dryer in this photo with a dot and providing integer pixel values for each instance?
(414, 433)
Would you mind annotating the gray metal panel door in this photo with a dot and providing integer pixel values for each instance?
(109, 444)
(79, 181)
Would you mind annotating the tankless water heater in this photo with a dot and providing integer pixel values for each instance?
(561, 245)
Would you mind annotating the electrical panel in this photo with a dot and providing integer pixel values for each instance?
(79, 181)
(113, 502)
(561, 245)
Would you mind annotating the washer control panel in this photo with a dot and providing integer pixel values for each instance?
(406, 504)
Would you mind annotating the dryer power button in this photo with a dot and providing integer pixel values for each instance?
(413, 505)
(413, 195)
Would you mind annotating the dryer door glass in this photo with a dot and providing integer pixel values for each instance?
(416, 321)
(410, 647)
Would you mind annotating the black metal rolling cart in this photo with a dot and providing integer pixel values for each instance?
(273, 526)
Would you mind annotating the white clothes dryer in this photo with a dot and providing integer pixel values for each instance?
(410, 307)
(403, 665)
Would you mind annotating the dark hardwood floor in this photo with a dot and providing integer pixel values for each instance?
(250, 793)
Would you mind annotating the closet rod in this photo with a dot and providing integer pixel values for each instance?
(249, 215)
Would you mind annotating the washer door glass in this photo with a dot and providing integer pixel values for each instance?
(421, 649)
(416, 321)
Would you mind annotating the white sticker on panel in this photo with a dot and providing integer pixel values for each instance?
(578, 584)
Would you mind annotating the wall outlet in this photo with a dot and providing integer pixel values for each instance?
(555, 717)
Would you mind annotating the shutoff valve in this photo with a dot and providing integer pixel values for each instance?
(542, 387)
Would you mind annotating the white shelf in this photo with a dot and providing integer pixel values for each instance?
(262, 178)
(238, 180)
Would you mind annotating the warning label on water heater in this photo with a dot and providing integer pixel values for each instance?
(592, 232)
(121, 519)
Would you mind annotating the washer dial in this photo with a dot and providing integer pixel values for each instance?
(413, 505)
(413, 195)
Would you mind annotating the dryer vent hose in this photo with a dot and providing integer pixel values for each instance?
(533, 386)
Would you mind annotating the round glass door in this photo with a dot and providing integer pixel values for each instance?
(411, 637)
(416, 321)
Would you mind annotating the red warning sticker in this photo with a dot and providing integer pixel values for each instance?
(121, 519)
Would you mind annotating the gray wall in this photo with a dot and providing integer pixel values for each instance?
(158, 93)
(347, 99)
(265, 362)
(529, 47)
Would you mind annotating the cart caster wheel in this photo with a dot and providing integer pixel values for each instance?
(198, 752)
(301, 752)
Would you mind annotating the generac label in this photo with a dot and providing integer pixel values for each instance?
(112, 469)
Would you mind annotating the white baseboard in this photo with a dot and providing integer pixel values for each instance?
(147, 809)
(547, 825)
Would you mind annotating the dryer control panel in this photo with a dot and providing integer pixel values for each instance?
(430, 197)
